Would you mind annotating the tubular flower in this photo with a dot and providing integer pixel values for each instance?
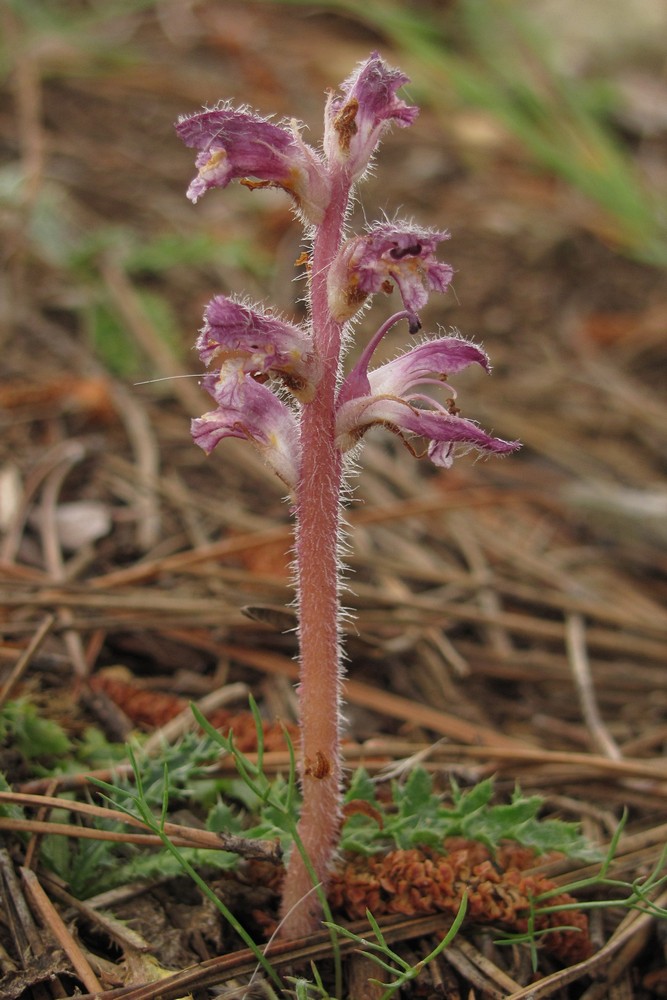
(247, 409)
(260, 343)
(389, 253)
(355, 119)
(389, 396)
(234, 143)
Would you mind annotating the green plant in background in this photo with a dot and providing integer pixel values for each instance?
(84, 28)
(492, 54)
(34, 736)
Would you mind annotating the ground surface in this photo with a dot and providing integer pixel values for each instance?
(508, 616)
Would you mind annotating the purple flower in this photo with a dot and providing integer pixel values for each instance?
(260, 343)
(234, 143)
(248, 409)
(355, 119)
(389, 253)
(390, 396)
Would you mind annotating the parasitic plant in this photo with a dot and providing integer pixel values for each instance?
(281, 386)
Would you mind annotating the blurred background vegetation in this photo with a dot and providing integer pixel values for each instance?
(541, 144)
(572, 93)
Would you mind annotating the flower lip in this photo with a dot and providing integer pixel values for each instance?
(260, 342)
(248, 409)
(235, 143)
(443, 430)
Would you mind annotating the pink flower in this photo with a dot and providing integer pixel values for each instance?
(355, 119)
(390, 253)
(390, 396)
(260, 343)
(235, 143)
(248, 409)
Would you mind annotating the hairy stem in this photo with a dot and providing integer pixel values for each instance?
(317, 561)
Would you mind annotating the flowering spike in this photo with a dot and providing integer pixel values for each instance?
(247, 409)
(259, 356)
(237, 144)
(261, 343)
(389, 253)
(355, 119)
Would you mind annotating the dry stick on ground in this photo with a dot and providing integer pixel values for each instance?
(184, 836)
(44, 827)
(364, 977)
(611, 988)
(146, 467)
(53, 921)
(654, 769)
(25, 658)
(383, 702)
(53, 553)
(37, 963)
(273, 762)
(463, 529)
(34, 842)
(479, 970)
(376, 755)
(117, 930)
(578, 657)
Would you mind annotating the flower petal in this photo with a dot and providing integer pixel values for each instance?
(432, 360)
(399, 253)
(426, 363)
(260, 343)
(444, 430)
(247, 409)
(356, 118)
(236, 143)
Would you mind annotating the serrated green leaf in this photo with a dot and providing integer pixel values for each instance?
(421, 837)
(416, 795)
(361, 787)
(223, 819)
(474, 798)
(418, 817)
(548, 835)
